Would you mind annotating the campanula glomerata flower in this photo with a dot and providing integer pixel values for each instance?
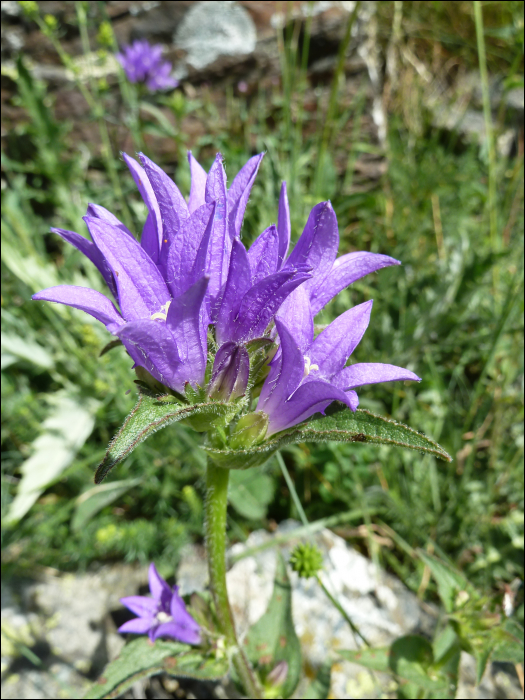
(169, 286)
(142, 63)
(191, 273)
(163, 615)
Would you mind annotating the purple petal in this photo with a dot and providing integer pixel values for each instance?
(346, 270)
(85, 299)
(283, 224)
(220, 242)
(317, 245)
(198, 184)
(157, 584)
(91, 252)
(141, 289)
(146, 192)
(183, 618)
(141, 605)
(102, 213)
(154, 345)
(371, 373)
(353, 400)
(239, 193)
(187, 254)
(296, 314)
(150, 238)
(285, 374)
(137, 626)
(308, 399)
(332, 348)
(216, 181)
(172, 205)
(183, 319)
(262, 301)
(230, 374)
(237, 285)
(178, 631)
(263, 255)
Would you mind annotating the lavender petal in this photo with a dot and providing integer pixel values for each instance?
(198, 184)
(239, 193)
(91, 252)
(308, 399)
(236, 287)
(363, 373)
(141, 289)
(346, 270)
(85, 299)
(263, 256)
(318, 243)
(262, 301)
(331, 349)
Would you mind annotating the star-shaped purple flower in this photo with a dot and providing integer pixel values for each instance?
(142, 63)
(163, 615)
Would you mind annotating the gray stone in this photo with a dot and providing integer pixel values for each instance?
(210, 30)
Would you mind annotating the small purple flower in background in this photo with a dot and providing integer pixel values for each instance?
(143, 63)
(164, 615)
(242, 86)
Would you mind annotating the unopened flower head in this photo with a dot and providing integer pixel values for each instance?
(162, 615)
(142, 63)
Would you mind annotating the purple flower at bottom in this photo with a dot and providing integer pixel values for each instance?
(164, 615)
(143, 63)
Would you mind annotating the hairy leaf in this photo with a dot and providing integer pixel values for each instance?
(339, 424)
(151, 413)
(141, 659)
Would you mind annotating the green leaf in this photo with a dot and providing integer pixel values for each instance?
(320, 686)
(94, 499)
(410, 659)
(449, 581)
(250, 493)
(340, 424)
(511, 649)
(141, 659)
(150, 414)
(65, 430)
(447, 654)
(273, 638)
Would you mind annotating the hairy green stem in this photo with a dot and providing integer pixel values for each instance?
(215, 526)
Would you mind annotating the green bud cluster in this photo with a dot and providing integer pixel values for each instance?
(307, 560)
(105, 35)
(30, 9)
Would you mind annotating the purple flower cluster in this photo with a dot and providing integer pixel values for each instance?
(191, 272)
(164, 615)
(143, 63)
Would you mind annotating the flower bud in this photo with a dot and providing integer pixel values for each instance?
(307, 560)
(250, 430)
(278, 674)
(231, 370)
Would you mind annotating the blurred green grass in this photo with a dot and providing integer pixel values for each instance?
(452, 313)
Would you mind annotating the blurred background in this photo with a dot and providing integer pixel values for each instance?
(408, 116)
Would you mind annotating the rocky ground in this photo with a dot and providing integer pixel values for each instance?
(60, 631)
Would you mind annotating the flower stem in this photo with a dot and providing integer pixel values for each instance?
(215, 525)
